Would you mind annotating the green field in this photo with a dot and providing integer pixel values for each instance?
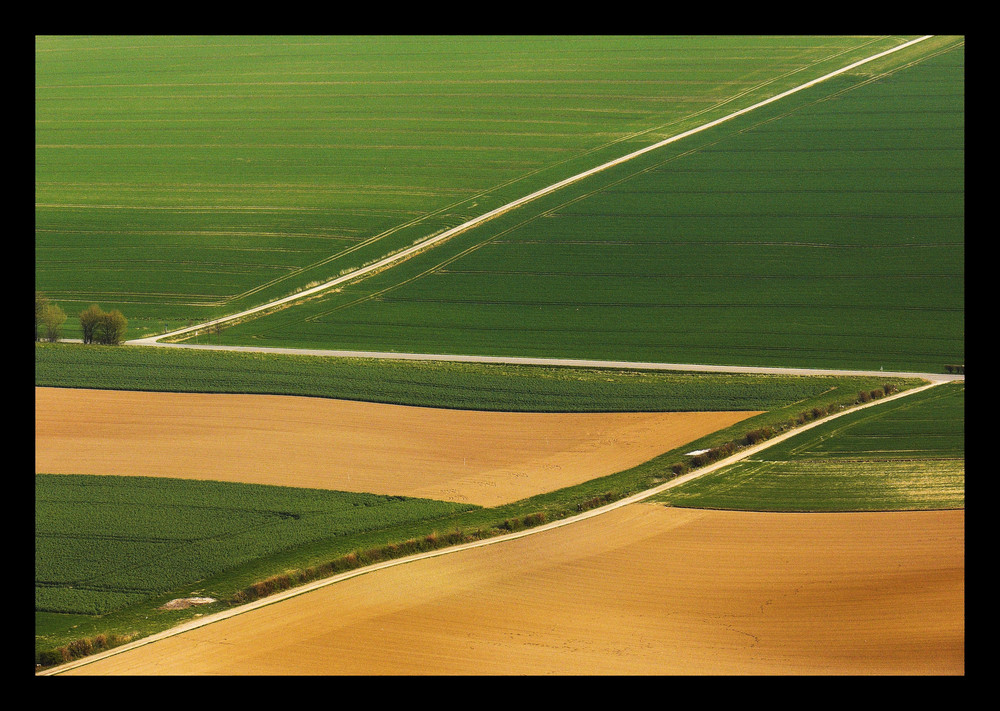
(182, 178)
(904, 455)
(103, 543)
(432, 384)
(824, 230)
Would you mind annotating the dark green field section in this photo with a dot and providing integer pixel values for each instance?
(823, 230)
(183, 178)
(904, 455)
(107, 542)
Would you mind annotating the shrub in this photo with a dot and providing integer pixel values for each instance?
(110, 328)
(594, 502)
(88, 321)
(41, 302)
(864, 396)
(53, 318)
(759, 435)
(534, 519)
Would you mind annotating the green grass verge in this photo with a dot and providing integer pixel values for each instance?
(904, 455)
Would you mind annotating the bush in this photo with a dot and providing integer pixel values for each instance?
(110, 328)
(759, 435)
(88, 321)
(53, 318)
(41, 302)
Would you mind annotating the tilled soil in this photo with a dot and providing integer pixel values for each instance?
(485, 458)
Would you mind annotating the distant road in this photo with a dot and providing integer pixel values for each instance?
(566, 362)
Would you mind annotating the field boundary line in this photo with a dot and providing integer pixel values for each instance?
(340, 577)
(403, 254)
(570, 362)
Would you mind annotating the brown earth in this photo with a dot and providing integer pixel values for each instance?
(644, 589)
(485, 458)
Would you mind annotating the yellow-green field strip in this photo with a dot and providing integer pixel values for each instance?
(566, 362)
(430, 242)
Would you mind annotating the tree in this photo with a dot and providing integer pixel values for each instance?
(40, 303)
(53, 318)
(110, 328)
(89, 318)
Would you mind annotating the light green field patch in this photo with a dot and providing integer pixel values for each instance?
(902, 455)
(828, 486)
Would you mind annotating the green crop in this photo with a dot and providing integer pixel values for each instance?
(907, 454)
(105, 542)
(824, 230)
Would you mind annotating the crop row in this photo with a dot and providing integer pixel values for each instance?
(110, 539)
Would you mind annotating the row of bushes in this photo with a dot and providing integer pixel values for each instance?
(875, 394)
(98, 326)
(378, 554)
(358, 559)
(762, 434)
(77, 649)
(959, 369)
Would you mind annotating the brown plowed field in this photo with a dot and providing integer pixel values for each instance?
(485, 458)
(644, 589)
